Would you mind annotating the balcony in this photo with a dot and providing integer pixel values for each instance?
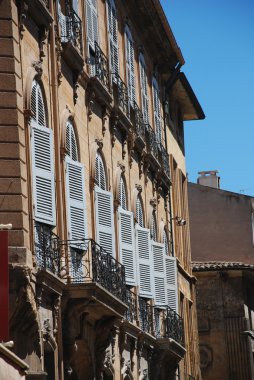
(95, 274)
(152, 146)
(139, 126)
(99, 76)
(47, 249)
(121, 100)
(164, 159)
(71, 37)
(40, 12)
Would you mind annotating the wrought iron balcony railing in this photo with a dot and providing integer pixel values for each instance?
(71, 29)
(122, 94)
(146, 316)
(131, 301)
(46, 2)
(152, 141)
(47, 249)
(164, 160)
(139, 122)
(168, 324)
(93, 264)
(99, 66)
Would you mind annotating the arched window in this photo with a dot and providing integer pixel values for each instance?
(153, 227)
(166, 243)
(104, 211)
(71, 143)
(112, 33)
(143, 88)
(139, 212)
(100, 175)
(122, 193)
(43, 171)
(126, 235)
(130, 71)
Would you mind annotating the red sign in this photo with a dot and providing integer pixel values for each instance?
(4, 287)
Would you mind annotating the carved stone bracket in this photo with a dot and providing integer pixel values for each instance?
(153, 203)
(22, 17)
(99, 143)
(43, 36)
(105, 118)
(58, 48)
(121, 166)
(139, 188)
(113, 128)
(75, 87)
(37, 65)
(131, 143)
(124, 148)
(91, 105)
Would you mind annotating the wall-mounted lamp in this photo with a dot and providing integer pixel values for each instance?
(179, 221)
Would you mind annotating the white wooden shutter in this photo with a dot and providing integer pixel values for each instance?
(43, 173)
(145, 263)
(104, 220)
(171, 282)
(71, 144)
(126, 245)
(75, 6)
(129, 53)
(92, 22)
(75, 183)
(159, 274)
(100, 175)
(139, 212)
(143, 85)
(157, 111)
(112, 33)
(122, 194)
(63, 20)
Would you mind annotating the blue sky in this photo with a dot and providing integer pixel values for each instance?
(216, 38)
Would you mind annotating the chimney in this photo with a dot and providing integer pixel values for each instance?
(209, 178)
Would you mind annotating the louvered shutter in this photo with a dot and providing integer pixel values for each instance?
(71, 144)
(75, 6)
(113, 40)
(129, 52)
(122, 194)
(126, 245)
(100, 176)
(92, 23)
(43, 173)
(104, 220)
(145, 263)
(75, 182)
(157, 111)
(139, 212)
(63, 20)
(159, 274)
(171, 282)
(143, 84)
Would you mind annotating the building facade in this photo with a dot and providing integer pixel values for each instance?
(92, 109)
(221, 224)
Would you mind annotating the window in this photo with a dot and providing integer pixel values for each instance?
(126, 236)
(139, 212)
(143, 87)
(104, 209)
(112, 34)
(157, 110)
(92, 31)
(122, 194)
(129, 56)
(43, 172)
(100, 175)
(153, 227)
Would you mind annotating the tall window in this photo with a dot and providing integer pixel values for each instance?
(144, 87)
(130, 71)
(145, 264)
(104, 209)
(126, 235)
(43, 172)
(75, 189)
(157, 110)
(153, 227)
(92, 31)
(112, 35)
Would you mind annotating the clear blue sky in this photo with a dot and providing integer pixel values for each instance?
(216, 38)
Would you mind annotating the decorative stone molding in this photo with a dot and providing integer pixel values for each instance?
(124, 148)
(58, 48)
(43, 36)
(153, 203)
(37, 65)
(139, 188)
(105, 118)
(131, 144)
(99, 143)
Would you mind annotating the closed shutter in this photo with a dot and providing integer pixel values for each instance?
(157, 111)
(71, 144)
(129, 52)
(126, 245)
(143, 84)
(112, 33)
(75, 6)
(139, 212)
(43, 173)
(145, 264)
(159, 274)
(92, 23)
(75, 182)
(122, 194)
(100, 176)
(63, 21)
(171, 282)
(104, 220)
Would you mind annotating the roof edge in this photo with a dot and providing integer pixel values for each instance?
(194, 100)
